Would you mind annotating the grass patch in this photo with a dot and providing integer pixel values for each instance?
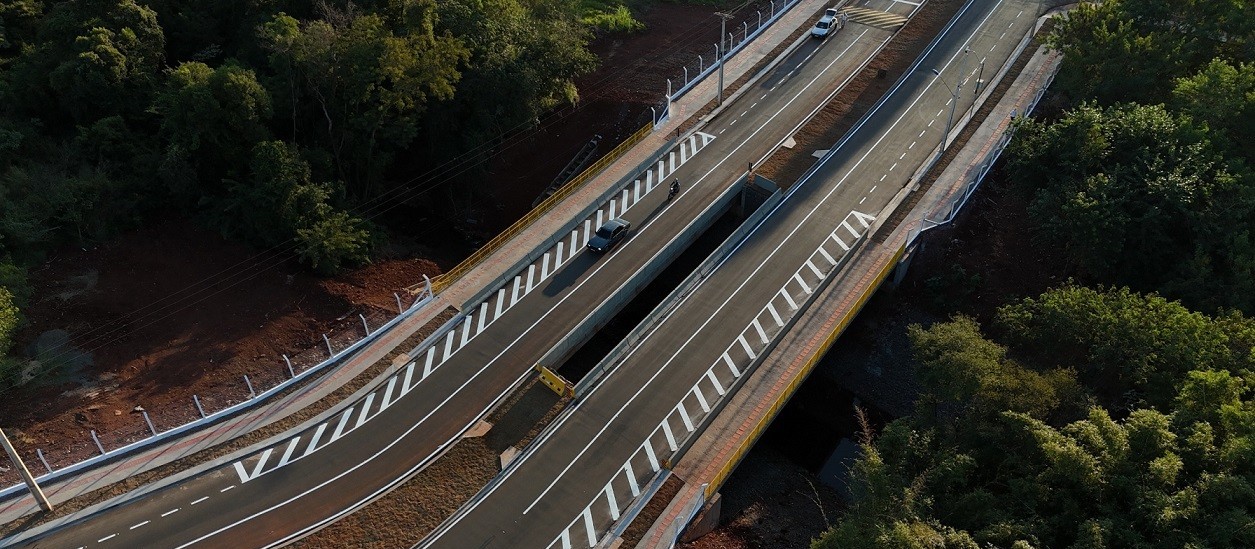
(609, 16)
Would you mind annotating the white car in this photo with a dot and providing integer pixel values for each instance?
(826, 25)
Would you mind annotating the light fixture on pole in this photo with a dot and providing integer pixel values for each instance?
(27, 477)
(723, 31)
(954, 99)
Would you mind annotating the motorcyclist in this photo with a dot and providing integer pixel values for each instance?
(675, 188)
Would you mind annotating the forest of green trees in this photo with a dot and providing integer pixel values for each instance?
(1117, 410)
(274, 122)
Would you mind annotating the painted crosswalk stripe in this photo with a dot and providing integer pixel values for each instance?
(771, 308)
(501, 300)
(632, 484)
(731, 365)
(531, 277)
(261, 462)
(566, 539)
(514, 296)
(344, 420)
(409, 375)
(831, 261)
(814, 270)
(745, 345)
(313, 442)
(575, 238)
(715, 381)
(788, 298)
(361, 418)
(649, 454)
(483, 316)
(684, 416)
(588, 527)
(666, 431)
(614, 505)
(387, 394)
(431, 357)
(448, 346)
(847, 226)
(287, 453)
(558, 258)
(839, 241)
(467, 324)
(758, 327)
(701, 399)
(798, 277)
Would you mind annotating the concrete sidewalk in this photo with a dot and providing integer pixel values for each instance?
(457, 295)
(798, 351)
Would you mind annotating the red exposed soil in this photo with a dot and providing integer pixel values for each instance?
(171, 311)
(614, 100)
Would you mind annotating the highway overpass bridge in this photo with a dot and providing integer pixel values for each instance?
(577, 481)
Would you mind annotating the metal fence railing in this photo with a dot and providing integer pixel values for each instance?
(154, 436)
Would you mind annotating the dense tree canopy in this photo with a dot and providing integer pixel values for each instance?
(278, 122)
(1012, 455)
(1141, 196)
(1131, 50)
(1102, 418)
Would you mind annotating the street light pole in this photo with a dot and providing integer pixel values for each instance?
(26, 474)
(954, 99)
(723, 30)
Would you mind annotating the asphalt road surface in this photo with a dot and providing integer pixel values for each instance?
(369, 446)
(584, 472)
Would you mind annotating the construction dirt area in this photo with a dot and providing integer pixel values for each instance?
(174, 311)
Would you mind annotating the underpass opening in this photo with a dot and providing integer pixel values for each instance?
(575, 367)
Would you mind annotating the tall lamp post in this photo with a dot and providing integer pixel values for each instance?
(954, 98)
(721, 51)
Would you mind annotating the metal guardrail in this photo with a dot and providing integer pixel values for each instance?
(440, 283)
(14, 490)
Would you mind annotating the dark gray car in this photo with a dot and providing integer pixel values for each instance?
(609, 234)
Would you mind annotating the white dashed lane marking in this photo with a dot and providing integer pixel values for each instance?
(106, 538)
(140, 524)
(200, 500)
(170, 512)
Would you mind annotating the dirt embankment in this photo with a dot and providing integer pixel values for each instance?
(174, 311)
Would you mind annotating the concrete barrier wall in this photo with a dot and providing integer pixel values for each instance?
(602, 314)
